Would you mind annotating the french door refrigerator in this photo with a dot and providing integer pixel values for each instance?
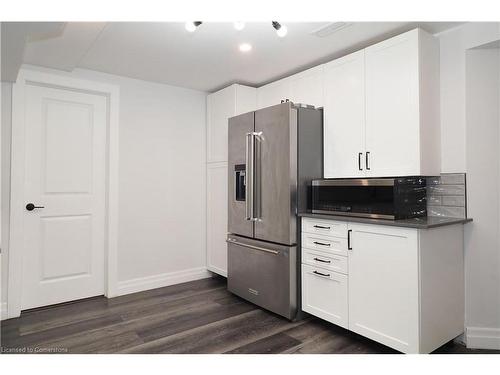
(273, 154)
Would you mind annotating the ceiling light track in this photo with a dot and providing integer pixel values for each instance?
(281, 30)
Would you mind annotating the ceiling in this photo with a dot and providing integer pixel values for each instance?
(209, 58)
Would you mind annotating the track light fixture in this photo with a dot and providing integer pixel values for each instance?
(192, 26)
(281, 30)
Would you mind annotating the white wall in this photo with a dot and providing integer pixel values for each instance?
(161, 182)
(470, 143)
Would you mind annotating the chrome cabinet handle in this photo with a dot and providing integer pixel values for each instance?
(367, 157)
(321, 243)
(359, 161)
(349, 239)
(322, 260)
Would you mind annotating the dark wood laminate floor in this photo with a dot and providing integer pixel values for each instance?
(195, 317)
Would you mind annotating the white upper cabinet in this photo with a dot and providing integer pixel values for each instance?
(402, 114)
(395, 111)
(344, 115)
(307, 87)
(221, 105)
(273, 93)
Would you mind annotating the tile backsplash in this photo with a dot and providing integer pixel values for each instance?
(446, 195)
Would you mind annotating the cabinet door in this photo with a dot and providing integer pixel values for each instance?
(246, 99)
(344, 117)
(220, 106)
(217, 218)
(392, 107)
(383, 285)
(273, 93)
(324, 294)
(307, 87)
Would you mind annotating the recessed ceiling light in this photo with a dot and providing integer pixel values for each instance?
(192, 26)
(239, 25)
(245, 47)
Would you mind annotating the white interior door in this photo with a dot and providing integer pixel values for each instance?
(65, 143)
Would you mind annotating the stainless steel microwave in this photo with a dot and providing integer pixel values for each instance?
(381, 198)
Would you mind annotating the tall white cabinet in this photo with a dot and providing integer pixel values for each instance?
(382, 109)
(221, 105)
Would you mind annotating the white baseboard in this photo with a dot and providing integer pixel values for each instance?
(3, 313)
(161, 280)
(483, 338)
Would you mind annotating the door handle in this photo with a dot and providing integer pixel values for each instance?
(31, 207)
(359, 161)
(367, 157)
(233, 241)
(249, 156)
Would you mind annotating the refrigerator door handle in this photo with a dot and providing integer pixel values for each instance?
(249, 176)
(231, 240)
(257, 176)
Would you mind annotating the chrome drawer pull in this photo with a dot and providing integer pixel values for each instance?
(321, 260)
(321, 243)
(321, 274)
(321, 227)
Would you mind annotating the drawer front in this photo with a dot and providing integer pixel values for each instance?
(331, 245)
(324, 294)
(335, 263)
(324, 227)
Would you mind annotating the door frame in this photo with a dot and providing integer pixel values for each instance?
(27, 78)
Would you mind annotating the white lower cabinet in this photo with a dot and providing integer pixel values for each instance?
(383, 285)
(317, 283)
(217, 218)
(402, 287)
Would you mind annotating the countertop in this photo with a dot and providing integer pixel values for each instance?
(418, 223)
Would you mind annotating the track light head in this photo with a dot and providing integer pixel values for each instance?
(281, 30)
(192, 26)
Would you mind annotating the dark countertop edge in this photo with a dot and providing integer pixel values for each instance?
(428, 222)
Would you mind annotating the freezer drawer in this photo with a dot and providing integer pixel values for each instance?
(264, 274)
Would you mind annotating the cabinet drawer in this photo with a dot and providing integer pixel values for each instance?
(325, 260)
(331, 245)
(325, 227)
(324, 294)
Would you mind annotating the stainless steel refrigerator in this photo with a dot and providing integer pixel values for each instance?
(274, 153)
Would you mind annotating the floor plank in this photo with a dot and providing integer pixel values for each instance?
(195, 317)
